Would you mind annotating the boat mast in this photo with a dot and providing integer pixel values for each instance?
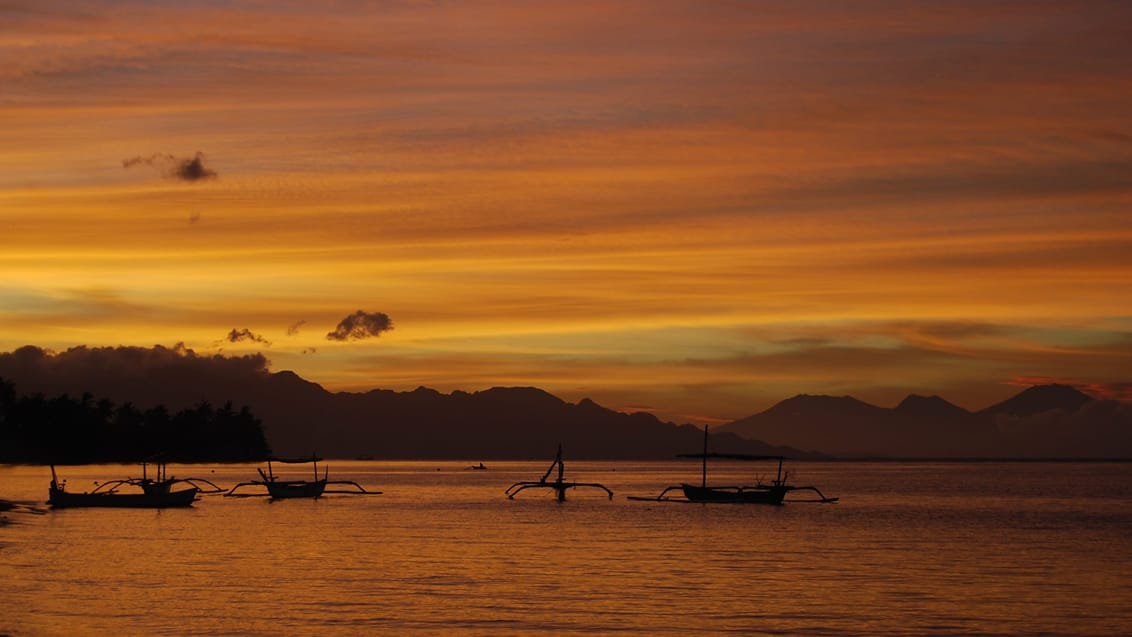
(561, 468)
(703, 480)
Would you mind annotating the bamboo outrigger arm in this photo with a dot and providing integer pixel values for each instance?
(360, 490)
(822, 498)
(162, 478)
(559, 486)
(196, 482)
(660, 497)
(232, 492)
(110, 486)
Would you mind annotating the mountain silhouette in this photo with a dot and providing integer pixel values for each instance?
(929, 409)
(497, 423)
(1039, 399)
(300, 416)
(812, 422)
(1041, 421)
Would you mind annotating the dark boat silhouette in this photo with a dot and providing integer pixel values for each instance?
(759, 493)
(136, 493)
(279, 489)
(559, 486)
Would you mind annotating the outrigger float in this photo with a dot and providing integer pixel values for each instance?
(559, 486)
(136, 493)
(760, 493)
(279, 489)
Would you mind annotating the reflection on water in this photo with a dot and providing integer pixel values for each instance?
(928, 548)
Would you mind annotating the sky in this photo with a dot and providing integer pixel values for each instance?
(695, 209)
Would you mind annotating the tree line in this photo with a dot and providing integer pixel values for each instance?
(79, 430)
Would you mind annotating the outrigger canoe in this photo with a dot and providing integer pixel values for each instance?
(133, 493)
(559, 486)
(759, 493)
(278, 489)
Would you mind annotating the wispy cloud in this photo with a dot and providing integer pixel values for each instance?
(245, 334)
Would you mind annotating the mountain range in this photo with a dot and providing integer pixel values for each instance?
(300, 417)
(1051, 421)
(525, 422)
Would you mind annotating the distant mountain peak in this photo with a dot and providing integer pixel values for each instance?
(821, 403)
(288, 376)
(929, 407)
(526, 397)
(1041, 398)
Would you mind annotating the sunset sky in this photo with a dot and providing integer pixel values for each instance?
(691, 208)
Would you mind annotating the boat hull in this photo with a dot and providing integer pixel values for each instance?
(283, 490)
(740, 495)
(60, 499)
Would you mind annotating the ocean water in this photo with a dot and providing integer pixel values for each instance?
(912, 548)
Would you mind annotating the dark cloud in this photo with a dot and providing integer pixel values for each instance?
(360, 325)
(235, 336)
(294, 329)
(176, 376)
(183, 168)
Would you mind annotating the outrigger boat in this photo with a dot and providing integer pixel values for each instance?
(279, 489)
(559, 486)
(138, 493)
(760, 493)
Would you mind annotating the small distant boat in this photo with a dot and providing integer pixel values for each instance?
(278, 489)
(760, 493)
(136, 493)
(478, 467)
(559, 486)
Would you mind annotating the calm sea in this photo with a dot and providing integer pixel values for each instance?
(912, 548)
